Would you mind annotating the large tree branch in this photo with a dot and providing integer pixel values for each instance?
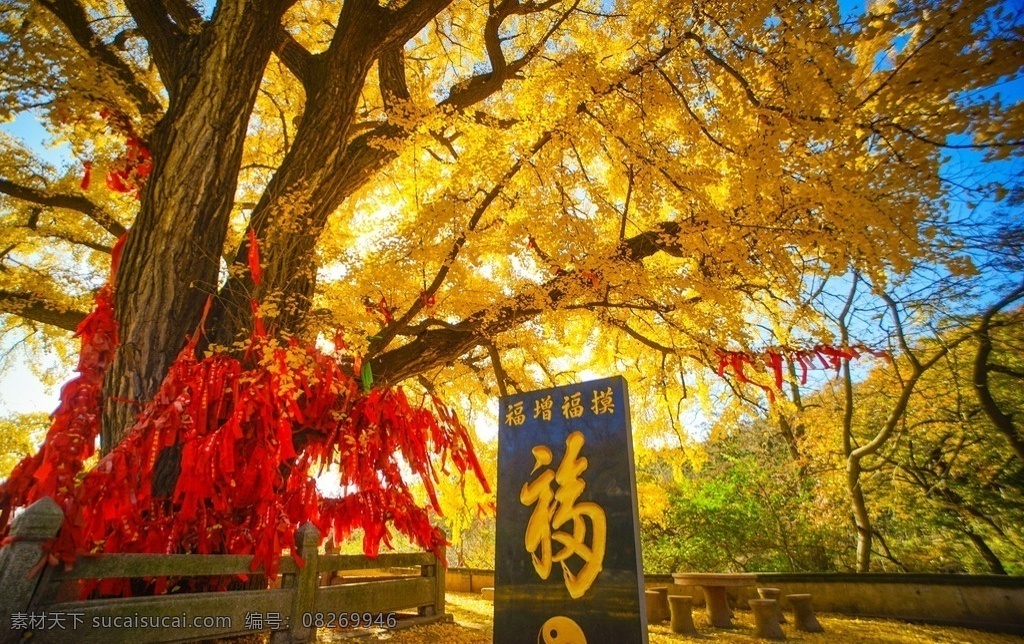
(387, 334)
(366, 30)
(437, 347)
(391, 75)
(32, 307)
(163, 36)
(75, 19)
(407, 21)
(479, 87)
(295, 57)
(77, 203)
(663, 237)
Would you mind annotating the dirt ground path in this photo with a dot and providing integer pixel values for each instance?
(473, 617)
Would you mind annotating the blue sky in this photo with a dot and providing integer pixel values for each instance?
(28, 128)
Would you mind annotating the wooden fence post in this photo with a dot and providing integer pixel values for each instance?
(438, 571)
(30, 537)
(330, 548)
(307, 539)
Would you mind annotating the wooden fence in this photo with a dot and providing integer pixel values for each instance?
(32, 608)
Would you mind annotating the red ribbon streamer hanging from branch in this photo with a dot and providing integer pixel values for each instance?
(254, 258)
(831, 357)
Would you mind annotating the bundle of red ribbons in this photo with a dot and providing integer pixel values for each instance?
(830, 357)
(251, 432)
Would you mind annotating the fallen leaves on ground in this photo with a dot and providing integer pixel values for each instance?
(473, 620)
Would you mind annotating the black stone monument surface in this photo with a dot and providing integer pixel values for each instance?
(567, 558)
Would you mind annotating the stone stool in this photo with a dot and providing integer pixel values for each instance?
(487, 593)
(772, 593)
(682, 617)
(657, 605)
(766, 619)
(803, 614)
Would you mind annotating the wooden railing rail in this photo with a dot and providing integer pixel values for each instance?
(32, 607)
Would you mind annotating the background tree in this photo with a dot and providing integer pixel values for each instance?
(19, 436)
(746, 506)
(940, 494)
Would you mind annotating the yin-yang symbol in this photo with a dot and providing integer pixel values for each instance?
(561, 630)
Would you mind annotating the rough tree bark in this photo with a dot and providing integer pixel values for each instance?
(171, 257)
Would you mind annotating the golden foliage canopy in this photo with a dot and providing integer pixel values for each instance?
(485, 195)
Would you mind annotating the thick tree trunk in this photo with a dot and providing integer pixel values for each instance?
(172, 256)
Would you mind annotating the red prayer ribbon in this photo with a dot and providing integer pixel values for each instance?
(831, 357)
(254, 258)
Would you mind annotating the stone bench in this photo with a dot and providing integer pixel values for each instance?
(766, 619)
(803, 614)
(773, 593)
(681, 607)
(657, 605)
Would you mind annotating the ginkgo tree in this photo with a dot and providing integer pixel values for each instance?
(449, 196)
